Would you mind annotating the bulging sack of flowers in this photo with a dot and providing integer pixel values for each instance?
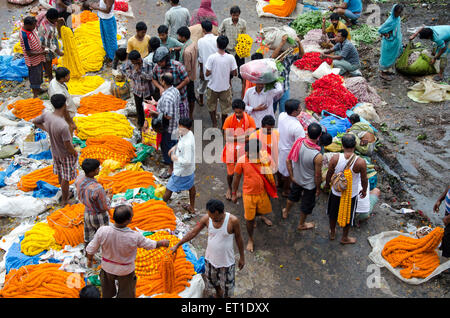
(260, 71)
(273, 36)
(420, 67)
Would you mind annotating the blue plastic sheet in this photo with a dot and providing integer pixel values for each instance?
(44, 190)
(335, 124)
(39, 134)
(7, 173)
(12, 70)
(199, 264)
(15, 259)
(42, 155)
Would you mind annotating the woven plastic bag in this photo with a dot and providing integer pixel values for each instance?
(420, 67)
(273, 35)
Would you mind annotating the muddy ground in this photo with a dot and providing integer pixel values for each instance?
(409, 170)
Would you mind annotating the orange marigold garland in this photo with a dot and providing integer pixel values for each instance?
(108, 147)
(165, 295)
(152, 215)
(417, 257)
(125, 180)
(41, 281)
(68, 224)
(27, 109)
(167, 272)
(99, 103)
(148, 268)
(29, 181)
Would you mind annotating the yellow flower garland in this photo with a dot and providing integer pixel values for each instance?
(71, 58)
(18, 48)
(102, 124)
(90, 47)
(345, 204)
(244, 45)
(38, 239)
(84, 85)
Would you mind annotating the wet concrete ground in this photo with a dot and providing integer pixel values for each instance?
(324, 268)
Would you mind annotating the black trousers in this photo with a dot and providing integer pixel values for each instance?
(140, 109)
(239, 61)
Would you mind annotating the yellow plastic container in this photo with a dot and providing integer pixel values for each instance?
(160, 191)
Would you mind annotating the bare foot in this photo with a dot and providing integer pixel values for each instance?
(228, 195)
(332, 235)
(266, 220)
(239, 194)
(188, 208)
(250, 245)
(284, 213)
(348, 240)
(305, 226)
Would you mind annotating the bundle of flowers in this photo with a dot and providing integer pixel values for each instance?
(244, 45)
(329, 94)
(311, 61)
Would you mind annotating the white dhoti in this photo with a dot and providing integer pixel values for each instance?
(282, 168)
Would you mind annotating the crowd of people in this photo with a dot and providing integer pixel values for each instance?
(164, 70)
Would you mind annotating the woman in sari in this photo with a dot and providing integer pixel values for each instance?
(391, 43)
(204, 13)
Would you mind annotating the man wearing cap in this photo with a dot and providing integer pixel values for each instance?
(164, 64)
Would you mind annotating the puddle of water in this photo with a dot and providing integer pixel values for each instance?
(423, 203)
(407, 165)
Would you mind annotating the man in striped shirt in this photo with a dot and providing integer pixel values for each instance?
(94, 198)
(168, 105)
(33, 53)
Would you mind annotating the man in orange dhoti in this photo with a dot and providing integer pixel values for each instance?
(237, 128)
(259, 184)
(269, 137)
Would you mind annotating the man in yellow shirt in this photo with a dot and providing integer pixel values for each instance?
(140, 41)
(330, 32)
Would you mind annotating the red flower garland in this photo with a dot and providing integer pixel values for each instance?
(121, 6)
(330, 94)
(311, 61)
